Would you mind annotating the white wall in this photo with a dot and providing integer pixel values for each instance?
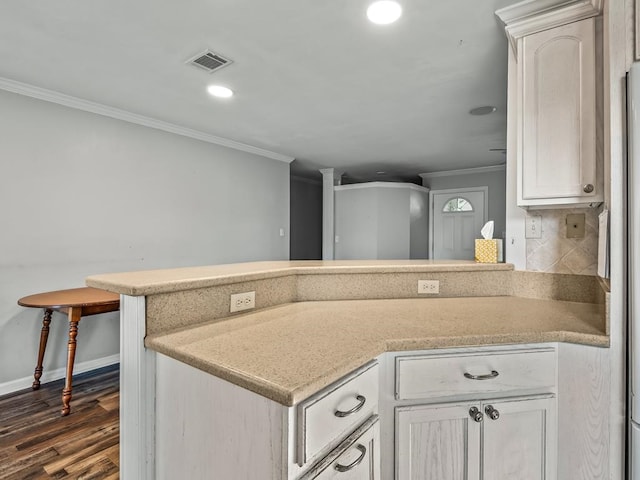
(394, 226)
(419, 219)
(381, 220)
(356, 223)
(82, 194)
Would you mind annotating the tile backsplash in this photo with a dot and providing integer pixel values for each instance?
(556, 253)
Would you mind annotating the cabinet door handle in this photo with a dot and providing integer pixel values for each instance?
(493, 413)
(357, 408)
(476, 414)
(355, 463)
(487, 376)
(588, 188)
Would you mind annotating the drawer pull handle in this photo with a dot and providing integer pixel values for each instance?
(357, 408)
(488, 376)
(355, 463)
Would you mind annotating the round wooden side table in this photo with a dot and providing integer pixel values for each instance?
(76, 303)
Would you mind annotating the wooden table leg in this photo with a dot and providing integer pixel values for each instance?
(75, 313)
(44, 335)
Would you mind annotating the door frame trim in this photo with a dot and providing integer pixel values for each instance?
(484, 189)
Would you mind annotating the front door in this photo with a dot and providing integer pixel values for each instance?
(457, 217)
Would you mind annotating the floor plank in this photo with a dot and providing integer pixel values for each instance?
(37, 443)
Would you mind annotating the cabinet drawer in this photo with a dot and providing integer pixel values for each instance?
(356, 458)
(437, 376)
(326, 417)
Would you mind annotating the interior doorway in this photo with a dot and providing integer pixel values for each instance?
(457, 215)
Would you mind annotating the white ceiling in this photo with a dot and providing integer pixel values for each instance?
(313, 78)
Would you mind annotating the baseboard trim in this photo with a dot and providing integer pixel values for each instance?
(52, 375)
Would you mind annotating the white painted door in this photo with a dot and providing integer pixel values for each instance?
(519, 444)
(437, 442)
(457, 217)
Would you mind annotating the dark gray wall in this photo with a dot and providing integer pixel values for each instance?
(306, 219)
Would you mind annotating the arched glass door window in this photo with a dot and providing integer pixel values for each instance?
(457, 204)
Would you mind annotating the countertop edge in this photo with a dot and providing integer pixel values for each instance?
(294, 396)
(116, 283)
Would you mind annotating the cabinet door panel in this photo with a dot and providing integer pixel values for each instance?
(518, 445)
(437, 442)
(558, 102)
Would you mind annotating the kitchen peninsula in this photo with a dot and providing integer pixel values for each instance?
(342, 363)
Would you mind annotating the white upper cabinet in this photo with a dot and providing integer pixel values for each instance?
(559, 162)
(556, 79)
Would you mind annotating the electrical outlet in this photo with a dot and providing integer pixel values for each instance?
(242, 301)
(431, 287)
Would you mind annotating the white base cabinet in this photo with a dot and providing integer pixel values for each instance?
(437, 441)
(520, 444)
(542, 411)
(357, 460)
(210, 429)
(493, 440)
(472, 413)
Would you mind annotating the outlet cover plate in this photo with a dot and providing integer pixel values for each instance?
(575, 225)
(428, 287)
(533, 226)
(242, 301)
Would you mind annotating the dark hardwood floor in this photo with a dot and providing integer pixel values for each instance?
(37, 443)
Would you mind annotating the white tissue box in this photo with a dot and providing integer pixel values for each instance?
(489, 251)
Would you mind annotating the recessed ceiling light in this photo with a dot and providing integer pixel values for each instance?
(220, 91)
(486, 110)
(381, 173)
(384, 12)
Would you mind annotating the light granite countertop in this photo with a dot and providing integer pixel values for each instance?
(153, 282)
(289, 352)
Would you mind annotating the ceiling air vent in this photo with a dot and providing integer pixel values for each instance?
(209, 61)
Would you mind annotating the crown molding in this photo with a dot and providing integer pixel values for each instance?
(357, 186)
(100, 109)
(464, 171)
(532, 16)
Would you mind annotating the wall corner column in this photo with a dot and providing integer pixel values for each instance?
(137, 393)
(330, 178)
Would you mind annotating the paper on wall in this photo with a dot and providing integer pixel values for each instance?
(603, 244)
